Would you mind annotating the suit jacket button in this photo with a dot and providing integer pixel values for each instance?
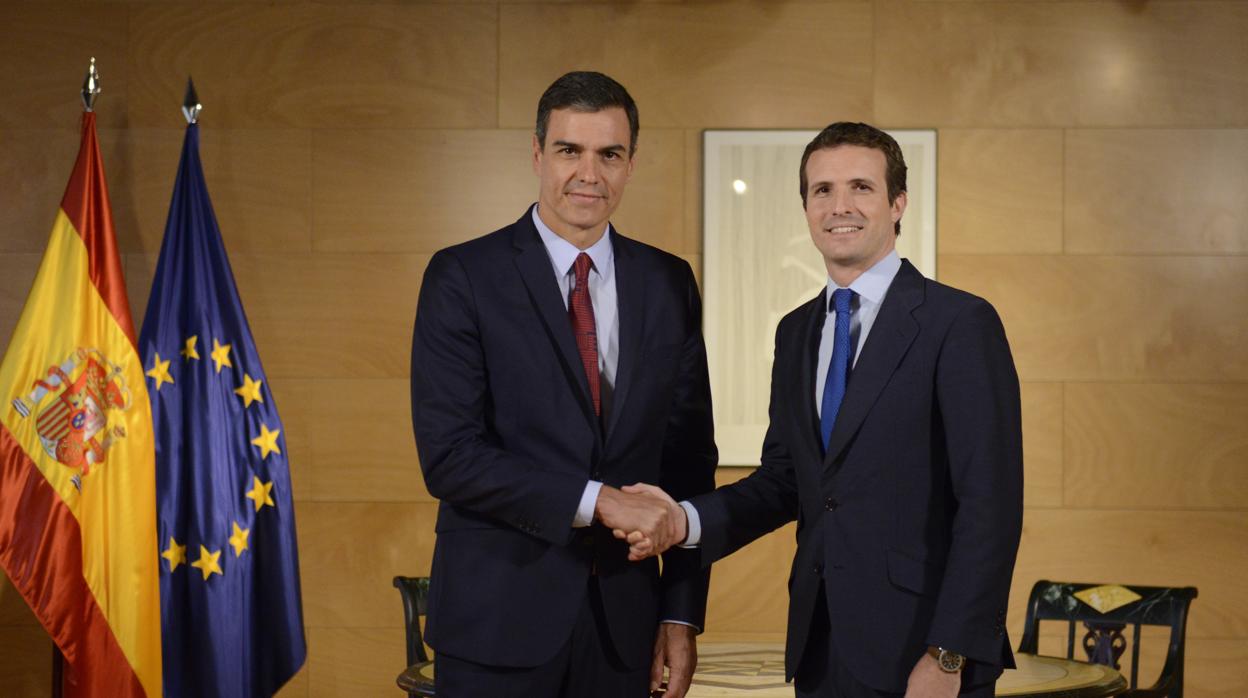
(819, 568)
(831, 504)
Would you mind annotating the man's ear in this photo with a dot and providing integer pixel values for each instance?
(899, 206)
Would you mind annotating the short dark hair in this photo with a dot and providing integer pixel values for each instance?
(586, 91)
(867, 136)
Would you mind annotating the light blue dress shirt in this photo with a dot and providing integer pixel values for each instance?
(602, 296)
(870, 287)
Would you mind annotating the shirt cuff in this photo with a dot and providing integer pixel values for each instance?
(589, 500)
(693, 526)
(681, 622)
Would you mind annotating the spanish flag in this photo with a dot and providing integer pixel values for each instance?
(77, 460)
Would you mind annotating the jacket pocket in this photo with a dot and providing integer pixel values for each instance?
(912, 574)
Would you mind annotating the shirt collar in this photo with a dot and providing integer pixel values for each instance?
(873, 283)
(563, 253)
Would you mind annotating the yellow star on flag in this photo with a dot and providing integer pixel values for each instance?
(175, 554)
(249, 391)
(261, 493)
(160, 372)
(239, 539)
(207, 562)
(188, 351)
(221, 354)
(267, 441)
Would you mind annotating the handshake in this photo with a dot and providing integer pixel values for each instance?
(644, 516)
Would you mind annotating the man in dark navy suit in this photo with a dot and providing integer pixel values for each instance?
(895, 442)
(554, 361)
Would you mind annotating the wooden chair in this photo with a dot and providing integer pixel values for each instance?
(1103, 640)
(415, 592)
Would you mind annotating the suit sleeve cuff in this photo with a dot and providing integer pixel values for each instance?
(585, 510)
(694, 526)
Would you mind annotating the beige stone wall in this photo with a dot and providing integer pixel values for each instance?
(1093, 169)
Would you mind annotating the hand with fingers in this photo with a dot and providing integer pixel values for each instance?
(676, 650)
(650, 522)
(641, 545)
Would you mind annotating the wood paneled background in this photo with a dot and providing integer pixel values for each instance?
(1093, 170)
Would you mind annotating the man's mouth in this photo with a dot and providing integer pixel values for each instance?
(838, 229)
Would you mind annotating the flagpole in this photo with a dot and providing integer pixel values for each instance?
(90, 90)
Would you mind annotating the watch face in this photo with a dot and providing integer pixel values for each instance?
(950, 662)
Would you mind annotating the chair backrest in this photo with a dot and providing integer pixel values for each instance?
(415, 593)
(1103, 641)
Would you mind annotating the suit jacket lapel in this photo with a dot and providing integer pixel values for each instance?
(630, 293)
(808, 415)
(891, 336)
(539, 278)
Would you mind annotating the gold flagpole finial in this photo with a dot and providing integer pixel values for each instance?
(190, 104)
(90, 87)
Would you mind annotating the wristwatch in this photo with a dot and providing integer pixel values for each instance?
(949, 662)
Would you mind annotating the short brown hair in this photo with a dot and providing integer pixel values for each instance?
(586, 91)
(867, 136)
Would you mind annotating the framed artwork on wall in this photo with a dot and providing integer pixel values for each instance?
(758, 262)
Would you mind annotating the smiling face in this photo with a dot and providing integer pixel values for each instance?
(582, 169)
(851, 220)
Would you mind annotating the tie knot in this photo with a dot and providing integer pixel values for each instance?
(581, 266)
(841, 298)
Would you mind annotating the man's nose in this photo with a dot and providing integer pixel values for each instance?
(841, 201)
(587, 169)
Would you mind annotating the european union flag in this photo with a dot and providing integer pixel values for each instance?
(229, 585)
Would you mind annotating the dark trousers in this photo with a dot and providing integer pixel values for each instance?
(821, 673)
(587, 666)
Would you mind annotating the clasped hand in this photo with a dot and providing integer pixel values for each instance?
(644, 516)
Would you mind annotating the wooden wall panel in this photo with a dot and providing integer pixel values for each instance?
(749, 589)
(1000, 191)
(46, 49)
(34, 168)
(17, 273)
(13, 608)
(1012, 64)
(733, 64)
(313, 65)
(356, 661)
(349, 553)
(331, 314)
(1156, 446)
(357, 438)
(1042, 444)
(418, 191)
(1082, 318)
(259, 181)
(298, 686)
(26, 662)
(1157, 191)
(1160, 548)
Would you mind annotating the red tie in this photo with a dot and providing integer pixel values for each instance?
(581, 312)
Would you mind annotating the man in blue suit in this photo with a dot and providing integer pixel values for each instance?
(895, 441)
(554, 361)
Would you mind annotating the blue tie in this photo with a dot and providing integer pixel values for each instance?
(838, 370)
